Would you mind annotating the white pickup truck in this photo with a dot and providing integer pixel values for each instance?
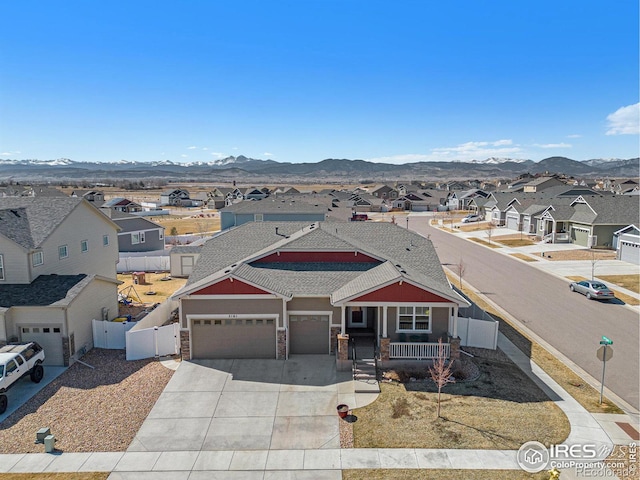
(16, 361)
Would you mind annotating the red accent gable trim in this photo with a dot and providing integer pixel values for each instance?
(401, 293)
(317, 257)
(227, 287)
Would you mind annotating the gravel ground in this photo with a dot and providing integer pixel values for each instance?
(89, 410)
(346, 431)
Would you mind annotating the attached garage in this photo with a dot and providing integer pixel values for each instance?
(512, 222)
(630, 252)
(309, 334)
(233, 337)
(580, 236)
(49, 337)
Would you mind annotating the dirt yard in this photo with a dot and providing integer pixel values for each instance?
(89, 410)
(586, 254)
(161, 283)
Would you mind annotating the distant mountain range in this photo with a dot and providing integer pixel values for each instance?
(249, 169)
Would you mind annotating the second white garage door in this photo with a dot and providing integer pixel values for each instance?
(233, 338)
(308, 334)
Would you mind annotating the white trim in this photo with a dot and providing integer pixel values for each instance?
(224, 316)
(414, 330)
(231, 297)
(399, 304)
(2, 276)
(39, 253)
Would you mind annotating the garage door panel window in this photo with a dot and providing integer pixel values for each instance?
(414, 319)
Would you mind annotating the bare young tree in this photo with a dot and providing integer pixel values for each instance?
(461, 268)
(441, 371)
(490, 227)
(594, 260)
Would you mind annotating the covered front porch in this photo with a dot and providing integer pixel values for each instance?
(399, 331)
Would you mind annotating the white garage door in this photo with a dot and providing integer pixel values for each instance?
(630, 252)
(512, 223)
(233, 338)
(49, 337)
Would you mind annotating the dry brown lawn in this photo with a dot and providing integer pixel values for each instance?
(501, 409)
(435, 474)
(579, 389)
(475, 227)
(190, 225)
(484, 242)
(523, 256)
(515, 242)
(630, 282)
(586, 254)
(163, 288)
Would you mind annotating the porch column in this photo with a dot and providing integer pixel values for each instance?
(384, 321)
(455, 321)
(343, 320)
(553, 232)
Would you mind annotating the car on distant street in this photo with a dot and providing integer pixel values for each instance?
(471, 218)
(593, 289)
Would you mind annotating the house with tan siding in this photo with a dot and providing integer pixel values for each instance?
(57, 272)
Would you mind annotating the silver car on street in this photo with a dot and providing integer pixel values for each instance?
(593, 289)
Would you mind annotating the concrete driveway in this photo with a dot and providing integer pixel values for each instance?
(214, 405)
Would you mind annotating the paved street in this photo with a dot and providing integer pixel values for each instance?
(544, 303)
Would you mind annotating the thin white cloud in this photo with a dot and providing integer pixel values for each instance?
(553, 145)
(234, 148)
(218, 154)
(463, 152)
(400, 159)
(184, 156)
(267, 154)
(575, 135)
(191, 148)
(625, 121)
(6, 153)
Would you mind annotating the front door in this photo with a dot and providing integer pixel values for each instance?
(357, 317)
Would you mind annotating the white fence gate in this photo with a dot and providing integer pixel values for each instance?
(110, 335)
(474, 332)
(153, 342)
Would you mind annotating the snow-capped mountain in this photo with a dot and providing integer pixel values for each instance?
(497, 160)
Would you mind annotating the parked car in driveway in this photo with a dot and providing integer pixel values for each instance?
(471, 218)
(593, 289)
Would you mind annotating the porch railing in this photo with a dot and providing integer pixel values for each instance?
(416, 351)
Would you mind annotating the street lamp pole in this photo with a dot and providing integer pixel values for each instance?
(407, 222)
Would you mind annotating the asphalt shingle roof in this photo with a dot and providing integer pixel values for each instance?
(403, 254)
(44, 290)
(277, 205)
(28, 221)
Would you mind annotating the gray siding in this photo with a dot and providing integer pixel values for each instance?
(152, 242)
(439, 324)
(231, 219)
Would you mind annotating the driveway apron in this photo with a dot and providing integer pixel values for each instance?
(250, 404)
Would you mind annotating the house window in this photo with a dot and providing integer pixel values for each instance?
(105, 240)
(63, 252)
(37, 258)
(1, 267)
(414, 319)
(84, 246)
(258, 217)
(135, 238)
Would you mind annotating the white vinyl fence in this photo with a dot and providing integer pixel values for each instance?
(153, 342)
(158, 263)
(474, 332)
(110, 335)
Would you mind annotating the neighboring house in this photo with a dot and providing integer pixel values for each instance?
(287, 191)
(254, 193)
(96, 197)
(221, 197)
(122, 205)
(137, 234)
(626, 241)
(57, 272)
(541, 183)
(271, 210)
(176, 197)
(183, 258)
(457, 200)
(384, 191)
(269, 290)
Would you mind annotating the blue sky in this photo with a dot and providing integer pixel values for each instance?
(305, 80)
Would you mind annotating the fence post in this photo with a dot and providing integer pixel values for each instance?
(155, 339)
